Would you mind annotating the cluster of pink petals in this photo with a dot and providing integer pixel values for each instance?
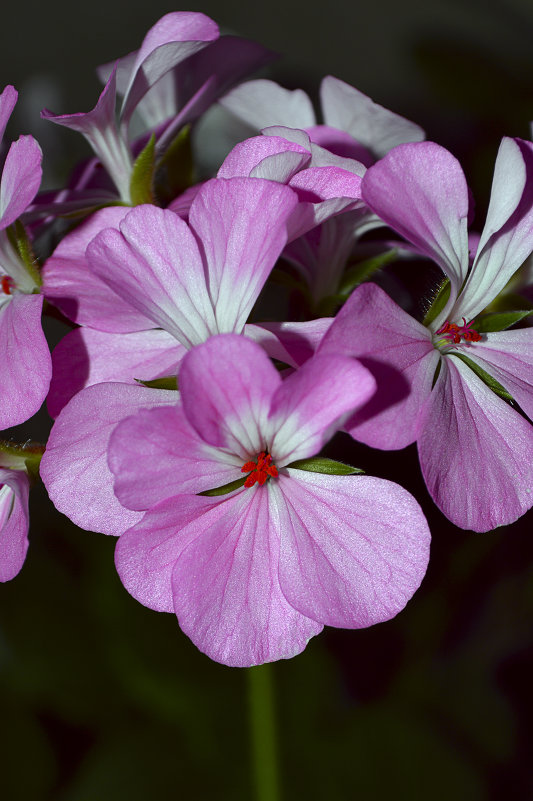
(474, 447)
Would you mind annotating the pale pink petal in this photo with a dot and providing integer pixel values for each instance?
(14, 521)
(400, 355)
(174, 38)
(475, 452)
(226, 588)
(156, 454)
(85, 357)
(420, 191)
(313, 402)
(269, 157)
(25, 359)
(291, 343)
(354, 549)
(262, 103)
(375, 127)
(8, 100)
(21, 178)
(323, 183)
(229, 410)
(507, 238)
(73, 287)
(241, 223)
(154, 265)
(146, 554)
(74, 466)
(341, 143)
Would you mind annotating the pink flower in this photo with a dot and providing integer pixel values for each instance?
(254, 573)
(24, 355)
(445, 384)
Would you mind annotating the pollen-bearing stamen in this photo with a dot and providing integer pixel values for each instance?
(7, 284)
(452, 332)
(260, 470)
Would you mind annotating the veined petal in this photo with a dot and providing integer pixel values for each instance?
(226, 386)
(226, 589)
(269, 157)
(8, 100)
(508, 357)
(25, 359)
(154, 265)
(174, 38)
(312, 403)
(375, 127)
(85, 357)
(292, 343)
(14, 521)
(262, 103)
(21, 178)
(507, 238)
(74, 466)
(354, 548)
(475, 452)
(73, 287)
(241, 225)
(420, 190)
(400, 355)
(156, 454)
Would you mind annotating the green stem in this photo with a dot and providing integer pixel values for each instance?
(263, 733)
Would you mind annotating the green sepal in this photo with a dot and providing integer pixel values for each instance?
(21, 243)
(354, 276)
(499, 321)
(321, 464)
(438, 303)
(225, 488)
(168, 382)
(175, 170)
(25, 457)
(487, 379)
(142, 175)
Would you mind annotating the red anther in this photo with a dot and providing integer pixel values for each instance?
(454, 332)
(7, 284)
(260, 471)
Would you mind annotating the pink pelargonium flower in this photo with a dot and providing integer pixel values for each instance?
(24, 355)
(441, 384)
(253, 574)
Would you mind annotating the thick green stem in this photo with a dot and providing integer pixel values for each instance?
(263, 744)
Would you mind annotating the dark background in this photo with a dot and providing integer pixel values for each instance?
(102, 699)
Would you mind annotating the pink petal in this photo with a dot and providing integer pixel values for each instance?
(8, 100)
(228, 409)
(262, 103)
(269, 157)
(327, 182)
(292, 343)
(420, 191)
(154, 265)
(399, 353)
(73, 287)
(375, 127)
(174, 38)
(312, 403)
(85, 357)
(341, 143)
(226, 588)
(74, 466)
(14, 521)
(155, 454)
(25, 359)
(241, 223)
(475, 452)
(354, 548)
(21, 178)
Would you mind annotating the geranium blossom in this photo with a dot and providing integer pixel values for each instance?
(24, 354)
(253, 574)
(474, 447)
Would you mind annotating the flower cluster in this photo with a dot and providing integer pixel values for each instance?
(222, 331)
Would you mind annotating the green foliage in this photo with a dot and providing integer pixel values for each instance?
(499, 321)
(225, 488)
(168, 382)
(142, 175)
(438, 303)
(321, 464)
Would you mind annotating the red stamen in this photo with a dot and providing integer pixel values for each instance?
(260, 470)
(7, 284)
(453, 332)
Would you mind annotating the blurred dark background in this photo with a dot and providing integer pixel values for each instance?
(102, 699)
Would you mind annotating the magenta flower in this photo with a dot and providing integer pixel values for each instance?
(24, 354)
(474, 446)
(253, 574)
